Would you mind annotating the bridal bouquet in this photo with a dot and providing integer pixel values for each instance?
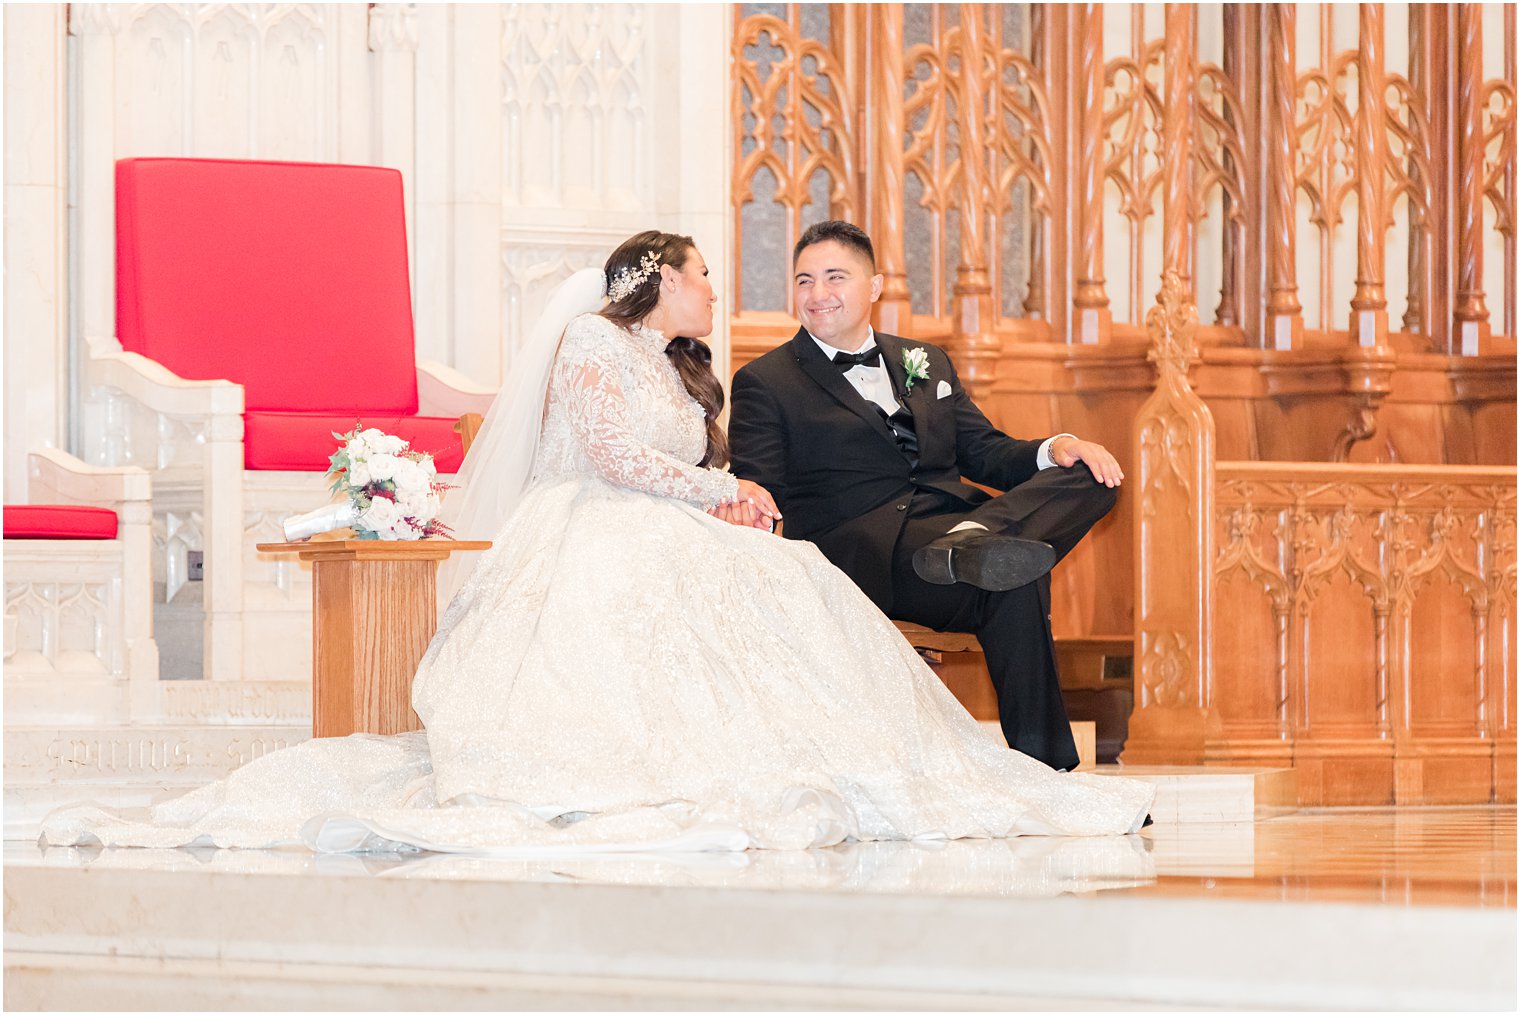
(392, 492)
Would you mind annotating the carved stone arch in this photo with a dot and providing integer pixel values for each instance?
(628, 132)
(295, 87)
(623, 34)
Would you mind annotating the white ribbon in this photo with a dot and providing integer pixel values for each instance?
(323, 519)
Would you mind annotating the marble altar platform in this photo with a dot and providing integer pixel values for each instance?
(131, 766)
(1329, 909)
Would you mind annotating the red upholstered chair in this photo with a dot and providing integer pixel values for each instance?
(79, 645)
(261, 306)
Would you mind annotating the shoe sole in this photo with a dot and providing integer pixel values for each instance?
(994, 566)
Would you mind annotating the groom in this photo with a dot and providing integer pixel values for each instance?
(867, 442)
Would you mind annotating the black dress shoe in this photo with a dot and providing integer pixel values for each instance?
(984, 559)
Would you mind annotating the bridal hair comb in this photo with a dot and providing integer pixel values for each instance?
(627, 281)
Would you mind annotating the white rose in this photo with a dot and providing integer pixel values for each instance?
(380, 516)
(428, 466)
(409, 477)
(404, 529)
(383, 467)
(411, 505)
(383, 443)
(358, 473)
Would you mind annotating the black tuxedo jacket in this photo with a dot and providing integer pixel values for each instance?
(800, 430)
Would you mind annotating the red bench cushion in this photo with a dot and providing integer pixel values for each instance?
(287, 278)
(59, 521)
(304, 441)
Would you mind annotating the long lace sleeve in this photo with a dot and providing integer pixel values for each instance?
(589, 381)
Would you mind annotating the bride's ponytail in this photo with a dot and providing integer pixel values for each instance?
(634, 300)
(693, 360)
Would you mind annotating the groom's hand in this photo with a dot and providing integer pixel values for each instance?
(754, 494)
(753, 507)
(1068, 451)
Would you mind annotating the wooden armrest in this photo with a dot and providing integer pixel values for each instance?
(467, 426)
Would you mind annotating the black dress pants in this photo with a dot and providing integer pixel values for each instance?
(1057, 506)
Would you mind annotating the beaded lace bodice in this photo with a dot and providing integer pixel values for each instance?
(618, 411)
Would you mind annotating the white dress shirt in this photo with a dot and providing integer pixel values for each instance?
(875, 385)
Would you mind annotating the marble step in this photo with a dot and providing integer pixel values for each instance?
(123, 766)
(1206, 794)
(131, 767)
(888, 926)
(1193, 794)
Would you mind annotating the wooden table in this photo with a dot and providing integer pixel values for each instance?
(375, 604)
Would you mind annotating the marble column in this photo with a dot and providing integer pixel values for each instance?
(36, 227)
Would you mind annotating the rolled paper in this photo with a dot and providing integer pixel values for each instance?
(323, 519)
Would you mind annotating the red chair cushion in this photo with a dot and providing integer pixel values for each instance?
(59, 521)
(288, 278)
(304, 441)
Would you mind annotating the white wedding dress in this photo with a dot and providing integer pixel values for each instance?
(624, 671)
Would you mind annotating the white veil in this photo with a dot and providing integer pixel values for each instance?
(500, 462)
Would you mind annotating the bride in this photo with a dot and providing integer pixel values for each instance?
(638, 663)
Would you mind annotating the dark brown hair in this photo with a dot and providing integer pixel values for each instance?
(691, 356)
(845, 233)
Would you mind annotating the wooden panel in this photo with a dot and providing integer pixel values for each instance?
(333, 687)
(1500, 696)
(374, 621)
(1248, 672)
(1399, 678)
(1493, 428)
(1339, 688)
(1443, 676)
(965, 674)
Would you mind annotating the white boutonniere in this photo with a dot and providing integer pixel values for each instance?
(916, 365)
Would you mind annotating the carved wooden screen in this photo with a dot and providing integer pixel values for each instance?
(1330, 190)
(795, 121)
(976, 158)
(1319, 175)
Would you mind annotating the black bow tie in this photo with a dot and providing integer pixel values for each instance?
(846, 360)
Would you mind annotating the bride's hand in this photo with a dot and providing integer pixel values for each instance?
(741, 513)
(755, 494)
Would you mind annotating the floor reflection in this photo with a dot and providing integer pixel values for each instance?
(1031, 867)
(1410, 856)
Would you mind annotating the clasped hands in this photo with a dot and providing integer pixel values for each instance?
(752, 508)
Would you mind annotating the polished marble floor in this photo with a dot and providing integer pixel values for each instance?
(1453, 856)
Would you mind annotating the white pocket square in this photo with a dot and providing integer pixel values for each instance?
(943, 390)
